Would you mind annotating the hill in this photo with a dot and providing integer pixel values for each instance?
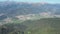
(42, 26)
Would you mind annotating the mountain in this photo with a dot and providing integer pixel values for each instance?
(21, 8)
(38, 24)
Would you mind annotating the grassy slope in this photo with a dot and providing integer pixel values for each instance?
(43, 26)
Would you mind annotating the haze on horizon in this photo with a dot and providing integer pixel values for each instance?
(35, 1)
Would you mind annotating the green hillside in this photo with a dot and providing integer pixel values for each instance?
(42, 26)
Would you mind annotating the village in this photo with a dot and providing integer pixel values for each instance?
(31, 16)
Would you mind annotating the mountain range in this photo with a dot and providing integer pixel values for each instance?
(21, 8)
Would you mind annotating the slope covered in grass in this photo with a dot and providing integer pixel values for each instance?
(42, 26)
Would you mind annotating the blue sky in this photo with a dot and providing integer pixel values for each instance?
(35, 1)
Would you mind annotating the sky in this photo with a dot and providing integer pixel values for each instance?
(35, 1)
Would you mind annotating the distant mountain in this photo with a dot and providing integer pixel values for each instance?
(3, 17)
(20, 8)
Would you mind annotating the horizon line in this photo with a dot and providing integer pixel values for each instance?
(31, 2)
